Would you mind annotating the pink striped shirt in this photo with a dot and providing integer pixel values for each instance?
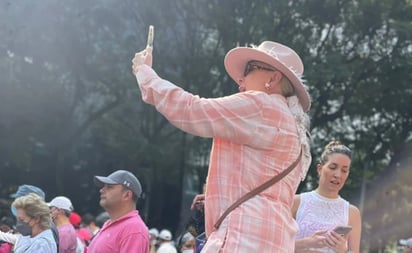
(254, 138)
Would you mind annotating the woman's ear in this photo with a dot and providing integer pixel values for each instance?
(276, 77)
(36, 220)
(273, 86)
(318, 168)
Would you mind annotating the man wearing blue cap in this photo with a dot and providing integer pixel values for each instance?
(125, 231)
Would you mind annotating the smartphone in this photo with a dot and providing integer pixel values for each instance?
(150, 36)
(342, 230)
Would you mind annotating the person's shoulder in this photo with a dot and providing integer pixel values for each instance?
(354, 209)
(304, 195)
(296, 198)
(133, 217)
(354, 213)
(134, 223)
(68, 229)
(44, 242)
(355, 218)
(47, 233)
(301, 198)
(261, 96)
(296, 204)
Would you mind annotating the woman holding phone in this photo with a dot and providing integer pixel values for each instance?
(257, 134)
(327, 222)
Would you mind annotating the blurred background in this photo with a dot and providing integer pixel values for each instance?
(70, 107)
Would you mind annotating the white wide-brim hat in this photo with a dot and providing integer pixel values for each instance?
(283, 58)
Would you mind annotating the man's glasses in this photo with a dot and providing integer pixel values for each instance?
(250, 66)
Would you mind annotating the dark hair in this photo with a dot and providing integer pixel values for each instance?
(183, 238)
(8, 221)
(88, 218)
(102, 218)
(66, 213)
(334, 147)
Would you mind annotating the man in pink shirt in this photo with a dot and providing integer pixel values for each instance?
(60, 209)
(125, 231)
(257, 134)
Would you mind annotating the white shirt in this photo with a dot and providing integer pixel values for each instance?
(167, 247)
(41, 243)
(317, 213)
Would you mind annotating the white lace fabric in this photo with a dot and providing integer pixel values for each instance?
(302, 122)
(317, 213)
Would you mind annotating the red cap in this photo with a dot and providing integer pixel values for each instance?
(84, 234)
(75, 219)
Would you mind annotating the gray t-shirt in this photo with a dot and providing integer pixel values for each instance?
(41, 243)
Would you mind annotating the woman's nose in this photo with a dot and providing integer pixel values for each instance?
(337, 173)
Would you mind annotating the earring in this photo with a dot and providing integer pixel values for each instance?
(267, 86)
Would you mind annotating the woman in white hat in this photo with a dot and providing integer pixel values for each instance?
(257, 133)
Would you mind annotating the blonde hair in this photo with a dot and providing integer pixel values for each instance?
(34, 207)
(286, 87)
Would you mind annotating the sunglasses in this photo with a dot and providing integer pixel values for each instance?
(250, 66)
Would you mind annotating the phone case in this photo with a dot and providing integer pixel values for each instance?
(150, 36)
(342, 230)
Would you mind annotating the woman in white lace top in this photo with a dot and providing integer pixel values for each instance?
(318, 212)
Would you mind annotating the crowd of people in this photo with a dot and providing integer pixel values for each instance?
(163, 242)
(38, 226)
(50, 227)
(260, 154)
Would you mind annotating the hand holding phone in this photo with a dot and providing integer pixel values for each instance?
(342, 230)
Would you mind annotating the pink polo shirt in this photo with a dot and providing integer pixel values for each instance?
(254, 138)
(124, 235)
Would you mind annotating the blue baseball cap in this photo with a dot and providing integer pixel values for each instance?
(25, 189)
